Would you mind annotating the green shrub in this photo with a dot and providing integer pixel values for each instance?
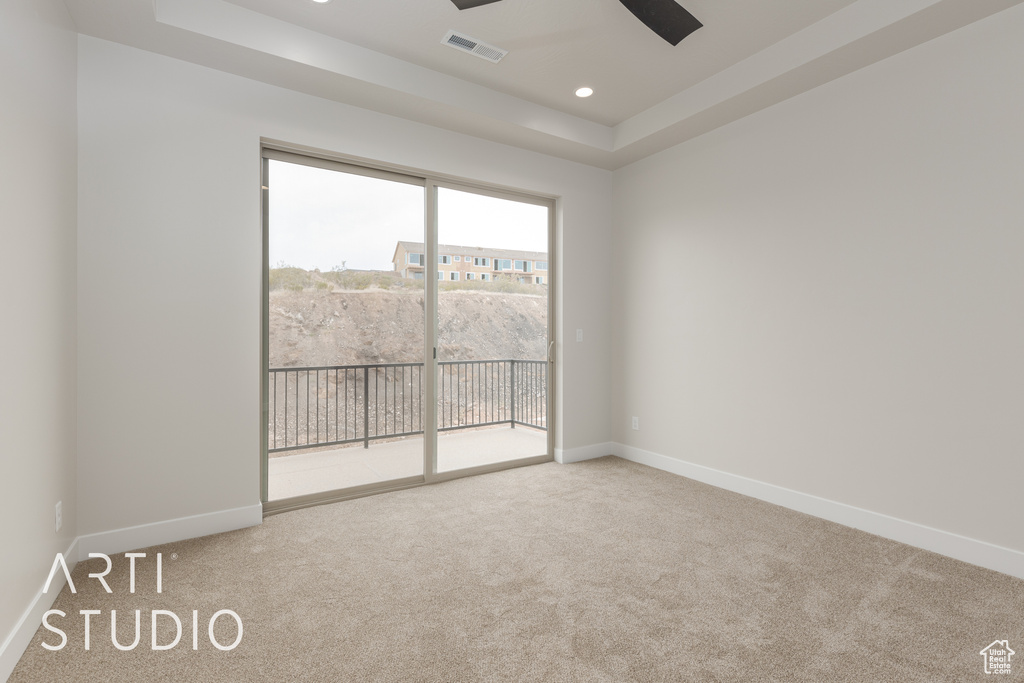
(363, 279)
(290, 278)
(297, 279)
(503, 284)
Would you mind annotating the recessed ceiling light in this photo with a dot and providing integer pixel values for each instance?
(584, 92)
(321, 2)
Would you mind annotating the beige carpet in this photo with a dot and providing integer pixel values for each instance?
(599, 571)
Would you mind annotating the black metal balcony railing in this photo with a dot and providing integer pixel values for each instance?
(342, 404)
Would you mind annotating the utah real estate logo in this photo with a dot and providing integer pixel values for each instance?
(997, 657)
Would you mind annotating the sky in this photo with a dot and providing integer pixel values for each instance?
(326, 219)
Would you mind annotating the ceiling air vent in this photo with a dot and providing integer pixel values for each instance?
(464, 43)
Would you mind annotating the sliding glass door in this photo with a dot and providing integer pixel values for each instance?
(492, 329)
(406, 330)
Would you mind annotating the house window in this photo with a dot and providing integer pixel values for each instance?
(440, 275)
(417, 275)
(540, 280)
(445, 259)
(414, 259)
(502, 264)
(470, 276)
(458, 258)
(455, 275)
(486, 277)
(541, 265)
(525, 266)
(481, 261)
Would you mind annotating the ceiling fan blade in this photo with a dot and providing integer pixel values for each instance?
(664, 17)
(467, 4)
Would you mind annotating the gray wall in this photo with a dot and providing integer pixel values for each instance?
(37, 278)
(826, 296)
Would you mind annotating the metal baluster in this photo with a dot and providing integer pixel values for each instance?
(366, 407)
(540, 394)
(545, 366)
(512, 365)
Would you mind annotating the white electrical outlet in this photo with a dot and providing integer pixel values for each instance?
(636, 423)
(58, 520)
(579, 334)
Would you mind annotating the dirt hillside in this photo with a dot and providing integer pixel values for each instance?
(331, 326)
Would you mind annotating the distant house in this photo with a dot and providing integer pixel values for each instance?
(456, 264)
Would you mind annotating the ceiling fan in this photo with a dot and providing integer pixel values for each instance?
(664, 17)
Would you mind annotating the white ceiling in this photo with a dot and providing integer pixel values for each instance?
(387, 55)
(556, 46)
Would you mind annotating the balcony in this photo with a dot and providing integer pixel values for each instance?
(333, 427)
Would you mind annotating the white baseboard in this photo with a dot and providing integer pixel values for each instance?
(980, 553)
(169, 531)
(21, 635)
(597, 450)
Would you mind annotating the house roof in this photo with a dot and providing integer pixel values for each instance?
(1002, 644)
(486, 252)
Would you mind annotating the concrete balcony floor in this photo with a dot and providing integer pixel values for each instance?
(300, 473)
